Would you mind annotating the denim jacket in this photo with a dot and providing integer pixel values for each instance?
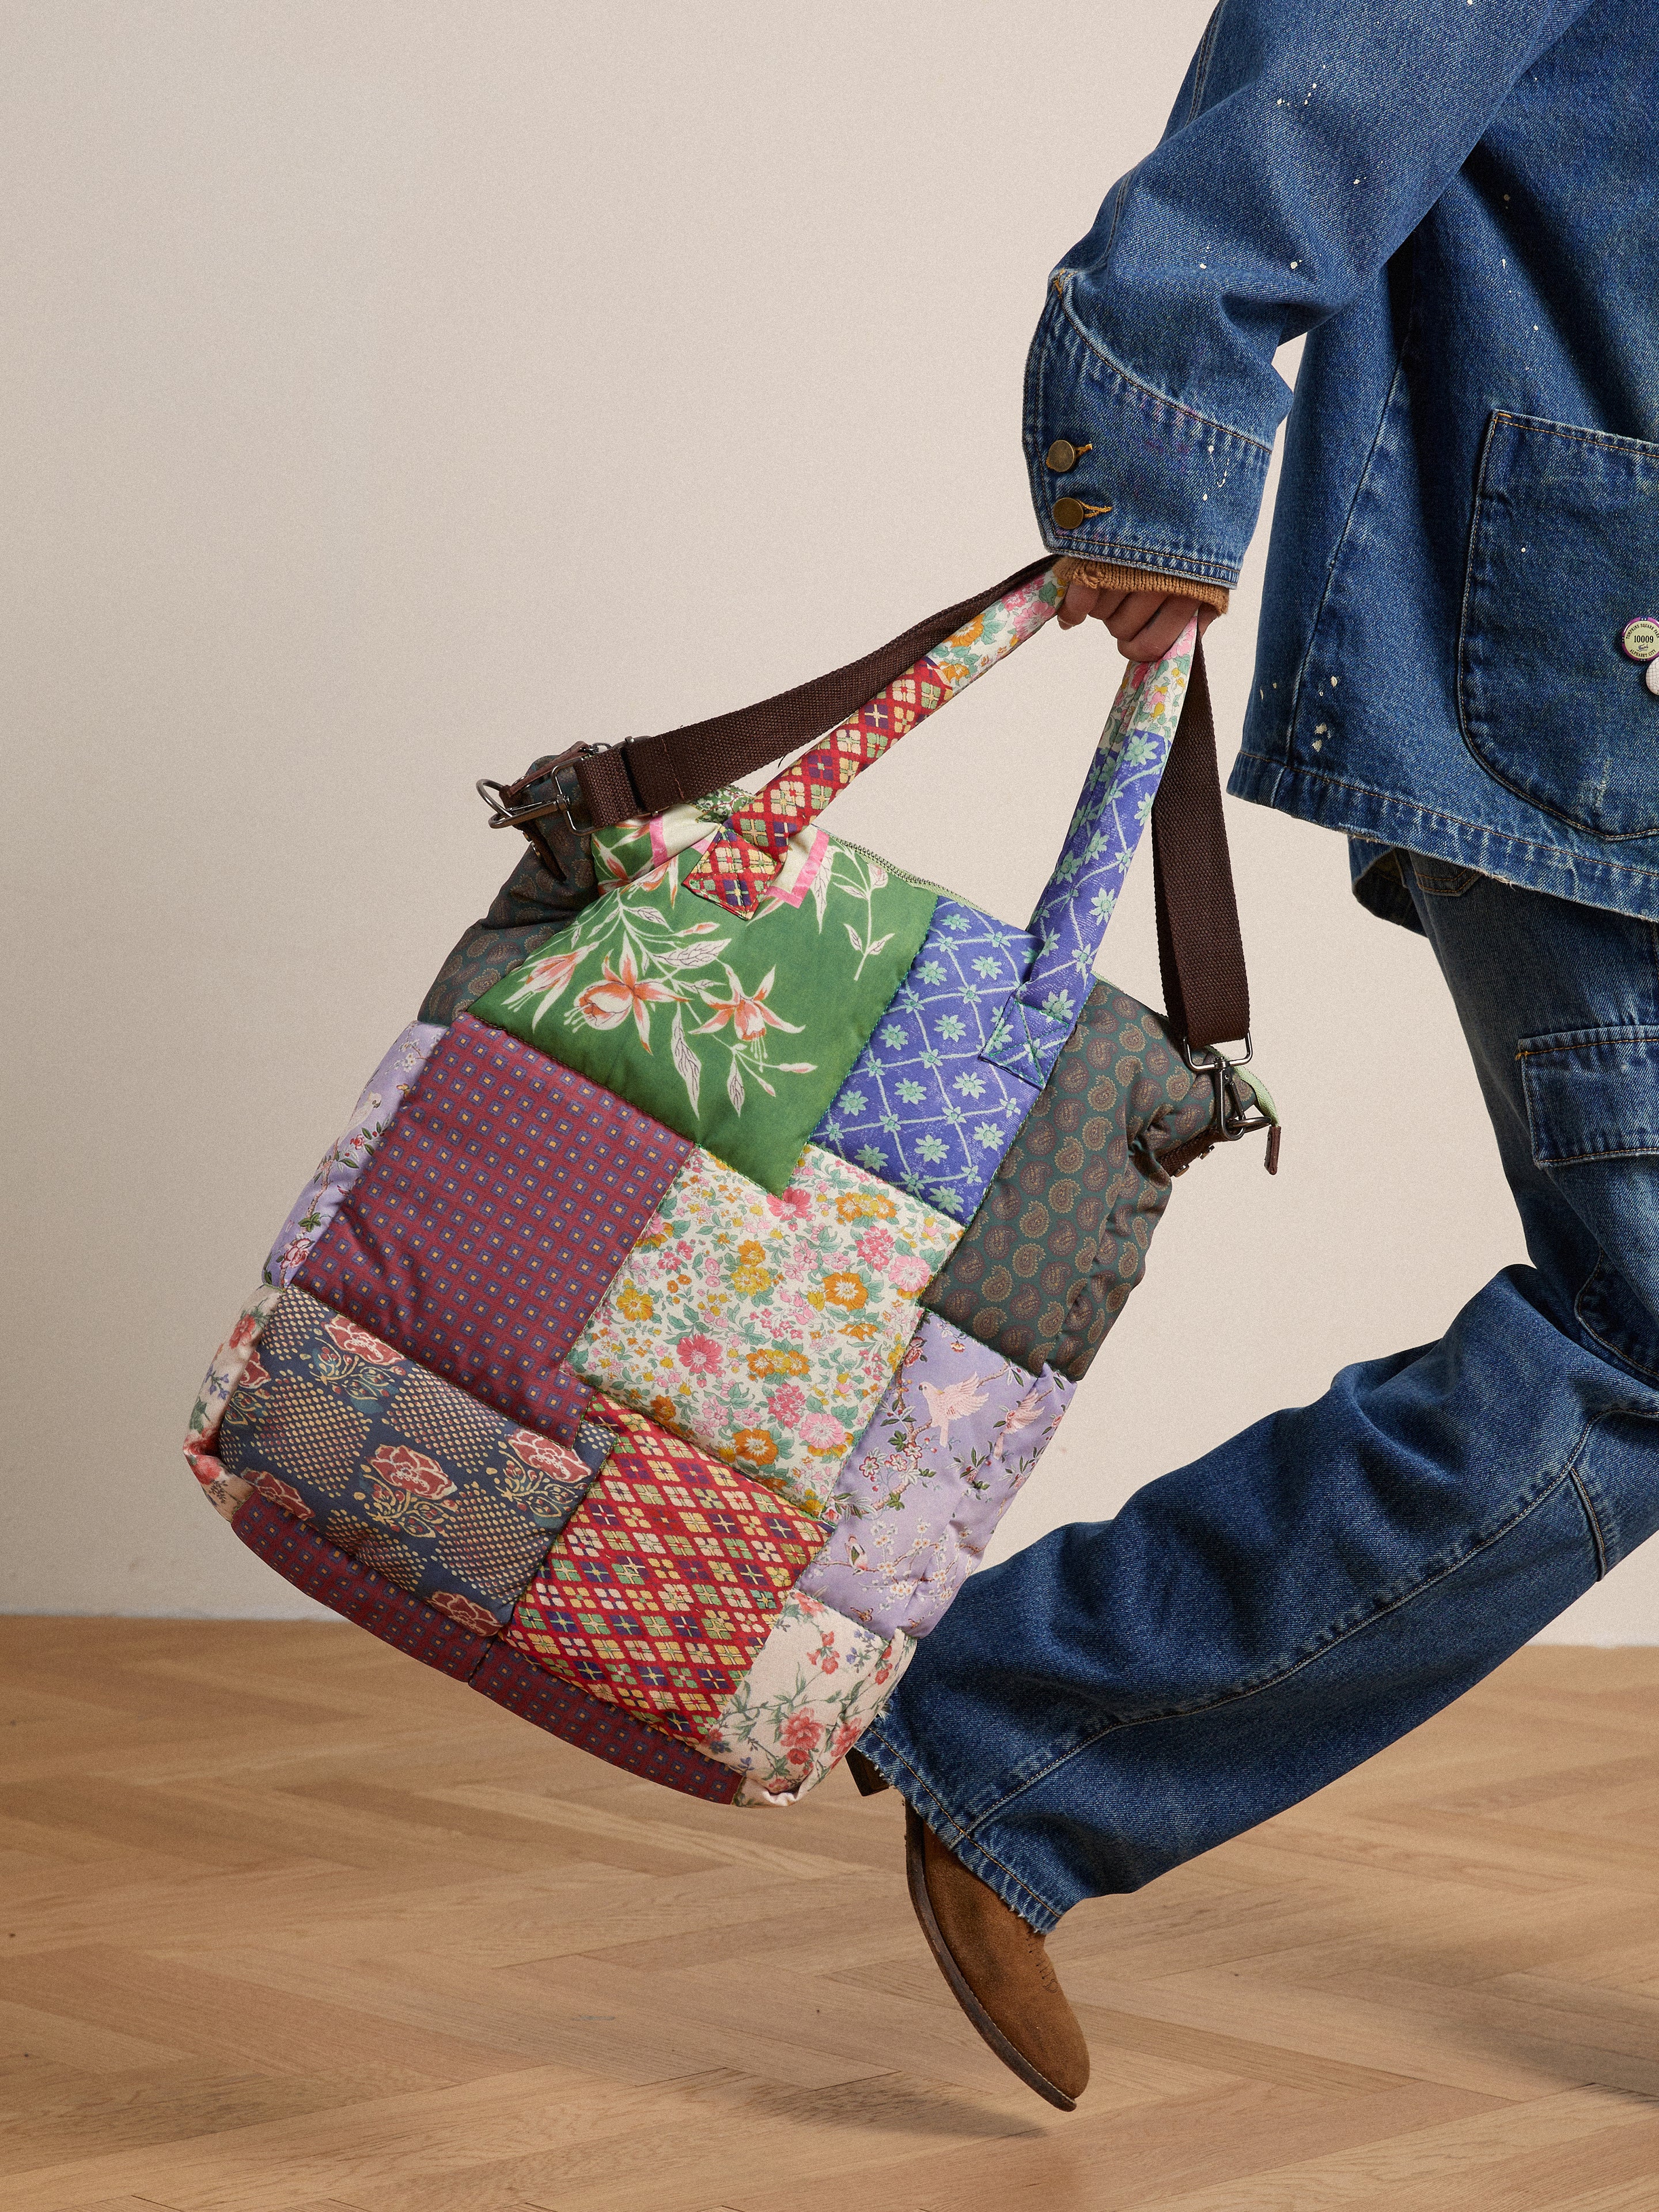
(1455, 200)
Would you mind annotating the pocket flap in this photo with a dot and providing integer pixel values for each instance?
(1591, 1094)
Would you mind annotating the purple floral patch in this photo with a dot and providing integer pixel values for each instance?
(951, 1445)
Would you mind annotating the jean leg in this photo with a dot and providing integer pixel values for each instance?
(1127, 1694)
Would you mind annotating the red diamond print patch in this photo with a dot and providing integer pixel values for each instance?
(664, 1582)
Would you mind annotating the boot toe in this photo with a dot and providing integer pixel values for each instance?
(998, 1969)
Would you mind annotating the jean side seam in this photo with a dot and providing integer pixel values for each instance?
(1201, 62)
(1606, 1344)
(1288, 1673)
(1594, 1519)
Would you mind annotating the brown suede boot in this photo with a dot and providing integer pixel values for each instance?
(998, 1969)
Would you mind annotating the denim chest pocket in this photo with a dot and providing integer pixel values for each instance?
(1565, 552)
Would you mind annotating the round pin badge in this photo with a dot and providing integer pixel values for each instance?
(1641, 638)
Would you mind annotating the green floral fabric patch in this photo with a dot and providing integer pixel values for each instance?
(736, 1034)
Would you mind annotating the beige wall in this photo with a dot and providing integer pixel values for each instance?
(393, 390)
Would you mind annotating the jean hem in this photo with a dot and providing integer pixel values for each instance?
(913, 1786)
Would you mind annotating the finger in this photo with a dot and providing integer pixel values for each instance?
(1133, 613)
(1078, 604)
(1164, 629)
(1152, 642)
(1154, 639)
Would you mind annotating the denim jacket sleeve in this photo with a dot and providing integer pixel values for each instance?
(1310, 139)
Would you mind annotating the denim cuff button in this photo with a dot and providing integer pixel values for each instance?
(1641, 639)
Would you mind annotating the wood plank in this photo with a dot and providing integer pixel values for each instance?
(354, 1940)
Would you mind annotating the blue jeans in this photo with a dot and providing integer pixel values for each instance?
(1126, 1693)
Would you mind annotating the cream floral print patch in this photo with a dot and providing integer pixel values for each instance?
(765, 1327)
(225, 1493)
(816, 1684)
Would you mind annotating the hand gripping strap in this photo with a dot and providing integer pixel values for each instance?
(1199, 949)
(749, 856)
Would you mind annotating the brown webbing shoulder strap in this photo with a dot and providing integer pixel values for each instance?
(1202, 956)
(647, 775)
(1205, 991)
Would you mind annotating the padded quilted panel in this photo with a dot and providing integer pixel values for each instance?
(952, 1443)
(818, 1682)
(302, 1557)
(766, 1328)
(920, 1107)
(346, 1158)
(605, 1730)
(534, 904)
(737, 1033)
(664, 1584)
(395, 1468)
(1050, 1258)
(485, 1230)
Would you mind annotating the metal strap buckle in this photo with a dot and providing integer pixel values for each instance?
(1232, 1117)
(566, 798)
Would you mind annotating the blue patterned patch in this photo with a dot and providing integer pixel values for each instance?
(920, 1107)
(1070, 922)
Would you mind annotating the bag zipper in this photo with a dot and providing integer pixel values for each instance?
(921, 882)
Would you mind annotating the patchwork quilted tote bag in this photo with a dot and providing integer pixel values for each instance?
(703, 1272)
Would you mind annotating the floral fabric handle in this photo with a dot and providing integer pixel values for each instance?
(1070, 920)
(738, 872)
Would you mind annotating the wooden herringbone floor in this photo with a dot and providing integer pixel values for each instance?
(291, 1923)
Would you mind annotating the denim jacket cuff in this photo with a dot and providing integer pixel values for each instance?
(1155, 484)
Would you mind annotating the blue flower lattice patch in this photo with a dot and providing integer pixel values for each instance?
(1114, 806)
(920, 1107)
